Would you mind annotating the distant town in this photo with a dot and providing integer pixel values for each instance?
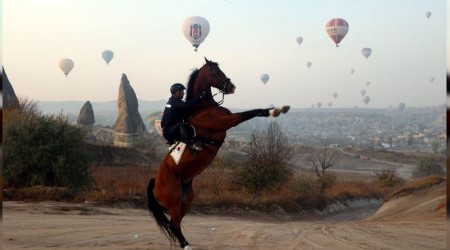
(413, 128)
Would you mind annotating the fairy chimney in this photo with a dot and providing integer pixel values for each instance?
(86, 117)
(10, 99)
(129, 128)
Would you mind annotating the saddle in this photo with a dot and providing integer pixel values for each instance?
(189, 137)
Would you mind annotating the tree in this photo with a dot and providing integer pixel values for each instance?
(388, 177)
(322, 160)
(43, 150)
(267, 164)
(435, 145)
(410, 140)
(428, 166)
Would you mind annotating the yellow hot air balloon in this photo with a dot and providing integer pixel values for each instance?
(195, 29)
(66, 65)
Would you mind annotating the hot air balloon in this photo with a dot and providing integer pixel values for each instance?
(329, 104)
(107, 56)
(337, 29)
(366, 52)
(431, 79)
(367, 83)
(158, 127)
(153, 116)
(335, 95)
(401, 106)
(308, 64)
(299, 40)
(66, 65)
(264, 78)
(352, 71)
(428, 14)
(363, 92)
(319, 104)
(366, 99)
(195, 29)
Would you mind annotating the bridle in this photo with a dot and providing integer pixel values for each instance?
(224, 84)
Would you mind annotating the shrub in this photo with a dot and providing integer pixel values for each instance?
(267, 164)
(43, 150)
(428, 166)
(388, 177)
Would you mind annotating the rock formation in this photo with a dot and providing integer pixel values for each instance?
(129, 128)
(10, 99)
(86, 118)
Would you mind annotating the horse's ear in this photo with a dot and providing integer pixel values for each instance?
(207, 61)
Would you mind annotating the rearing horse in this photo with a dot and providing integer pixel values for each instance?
(170, 192)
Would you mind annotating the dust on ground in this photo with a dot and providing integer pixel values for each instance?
(409, 222)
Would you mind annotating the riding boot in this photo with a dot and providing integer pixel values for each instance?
(184, 134)
(187, 139)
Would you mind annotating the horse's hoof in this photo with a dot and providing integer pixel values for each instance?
(188, 247)
(285, 109)
(275, 112)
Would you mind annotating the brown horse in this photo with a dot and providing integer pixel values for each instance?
(170, 192)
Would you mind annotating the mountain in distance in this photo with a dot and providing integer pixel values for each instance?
(105, 112)
(74, 107)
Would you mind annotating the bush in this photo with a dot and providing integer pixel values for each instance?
(428, 166)
(43, 150)
(388, 177)
(267, 164)
(257, 176)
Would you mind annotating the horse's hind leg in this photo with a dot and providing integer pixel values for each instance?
(170, 194)
(186, 198)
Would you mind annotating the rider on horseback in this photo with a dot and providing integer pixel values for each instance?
(174, 128)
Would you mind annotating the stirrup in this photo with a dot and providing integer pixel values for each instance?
(197, 147)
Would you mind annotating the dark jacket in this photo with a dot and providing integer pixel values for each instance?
(176, 110)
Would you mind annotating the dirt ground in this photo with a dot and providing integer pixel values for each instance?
(409, 222)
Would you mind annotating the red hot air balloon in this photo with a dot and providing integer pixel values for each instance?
(337, 29)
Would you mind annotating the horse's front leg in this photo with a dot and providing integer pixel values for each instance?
(235, 119)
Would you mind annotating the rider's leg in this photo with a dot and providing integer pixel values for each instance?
(187, 136)
(184, 132)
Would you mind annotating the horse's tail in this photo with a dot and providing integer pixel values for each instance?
(159, 212)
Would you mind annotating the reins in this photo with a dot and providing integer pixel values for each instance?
(224, 86)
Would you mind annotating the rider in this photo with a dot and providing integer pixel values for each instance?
(174, 128)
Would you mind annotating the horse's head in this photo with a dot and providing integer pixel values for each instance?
(216, 78)
(209, 75)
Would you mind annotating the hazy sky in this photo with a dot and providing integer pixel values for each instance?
(247, 38)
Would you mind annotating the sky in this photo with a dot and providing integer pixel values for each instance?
(247, 38)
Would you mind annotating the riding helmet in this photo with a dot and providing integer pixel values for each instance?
(175, 87)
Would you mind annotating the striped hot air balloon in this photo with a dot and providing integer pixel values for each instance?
(337, 29)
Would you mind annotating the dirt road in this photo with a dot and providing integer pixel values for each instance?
(53, 225)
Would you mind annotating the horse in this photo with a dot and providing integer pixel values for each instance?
(170, 192)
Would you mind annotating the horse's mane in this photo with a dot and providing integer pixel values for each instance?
(191, 81)
(190, 85)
